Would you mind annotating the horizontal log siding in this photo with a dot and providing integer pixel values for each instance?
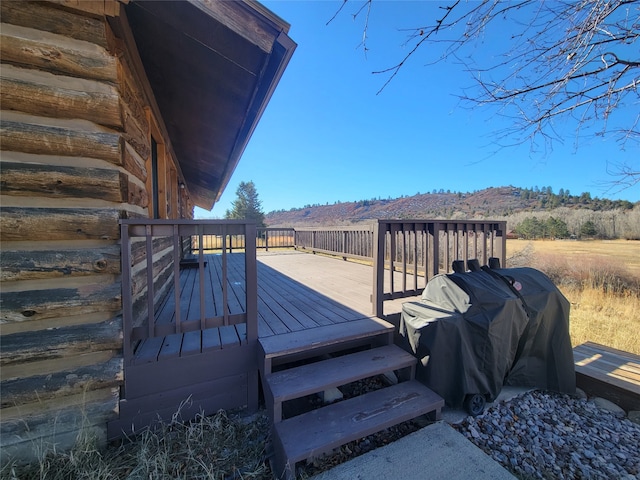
(50, 137)
(40, 388)
(23, 224)
(45, 345)
(74, 146)
(30, 180)
(55, 264)
(46, 17)
(26, 47)
(46, 94)
(56, 422)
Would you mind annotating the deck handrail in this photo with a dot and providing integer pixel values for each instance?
(159, 249)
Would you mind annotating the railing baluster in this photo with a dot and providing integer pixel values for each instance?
(465, 238)
(392, 256)
(403, 233)
(475, 241)
(447, 250)
(484, 244)
(415, 257)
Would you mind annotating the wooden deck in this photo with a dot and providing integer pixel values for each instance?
(296, 291)
(609, 373)
(346, 282)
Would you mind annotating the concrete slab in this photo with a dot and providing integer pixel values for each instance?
(434, 452)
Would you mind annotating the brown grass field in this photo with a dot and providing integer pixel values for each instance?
(601, 279)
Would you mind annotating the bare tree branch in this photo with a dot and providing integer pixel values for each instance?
(576, 59)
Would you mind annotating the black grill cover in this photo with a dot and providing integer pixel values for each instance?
(477, 331)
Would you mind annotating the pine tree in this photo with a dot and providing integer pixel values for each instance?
(246, 206)
(588, 229)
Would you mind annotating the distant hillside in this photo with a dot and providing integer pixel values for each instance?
(489, 203)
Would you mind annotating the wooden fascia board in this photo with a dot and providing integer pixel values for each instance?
(244, 19)
(279, 23)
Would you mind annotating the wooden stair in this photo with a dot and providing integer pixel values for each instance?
(349, 352)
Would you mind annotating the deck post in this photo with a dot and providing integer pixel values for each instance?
(251, 279)
(502, 233)
(344, 245)
(377, 297)
(201, 275)
(251, 289)
(127, 301)
(435, 249)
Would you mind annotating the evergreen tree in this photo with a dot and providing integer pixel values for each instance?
(588, 229)
(246, 206)
(530, 228)
(557, 228)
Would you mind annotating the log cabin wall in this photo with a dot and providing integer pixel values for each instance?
(77, 123)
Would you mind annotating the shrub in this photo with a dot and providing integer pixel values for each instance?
(588, 272)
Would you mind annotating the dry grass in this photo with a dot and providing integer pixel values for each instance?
(601, 279)
(604, 318)
(619, 252)
(214, 447)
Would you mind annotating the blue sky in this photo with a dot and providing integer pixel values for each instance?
(326, 136)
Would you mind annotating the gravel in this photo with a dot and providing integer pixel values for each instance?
(536, 435)
(542, 435)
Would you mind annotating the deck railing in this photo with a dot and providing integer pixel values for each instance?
(266, 238)
(406, 253)
(347, 242)
(409, 252)
(152, 253)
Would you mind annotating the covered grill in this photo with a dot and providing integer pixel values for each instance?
(476, 331)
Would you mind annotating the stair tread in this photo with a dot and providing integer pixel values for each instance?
(316, 377)
(326, 335)
(319, 431)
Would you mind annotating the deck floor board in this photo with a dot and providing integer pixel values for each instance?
(296, 292)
